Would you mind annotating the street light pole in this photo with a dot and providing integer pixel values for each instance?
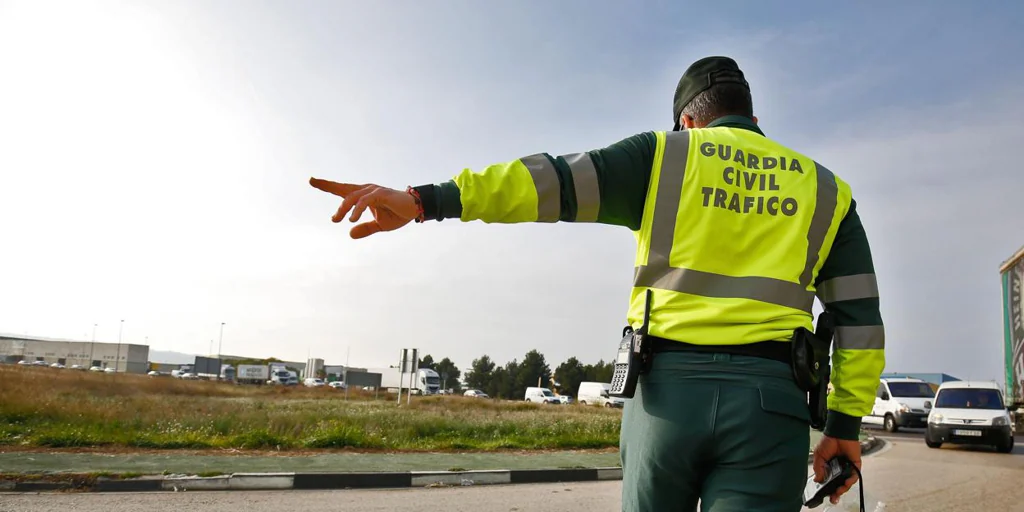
(117, 360)
(92, 345)
(220, 343)
(221, 340)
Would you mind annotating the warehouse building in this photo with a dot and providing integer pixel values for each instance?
(931, 378)
(123, 357)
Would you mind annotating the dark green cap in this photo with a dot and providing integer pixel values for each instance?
(700, 76)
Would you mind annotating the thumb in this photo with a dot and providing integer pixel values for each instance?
(365, 229)
(819, 467)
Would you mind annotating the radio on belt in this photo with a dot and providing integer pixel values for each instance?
(632, 357)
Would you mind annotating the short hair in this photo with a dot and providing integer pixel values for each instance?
(720, 100)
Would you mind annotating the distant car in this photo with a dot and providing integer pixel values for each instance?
(77, 367)
(337, 384)
(57, 365)
(970, 412)
(153, 373)
(23, 362)
(95, 369)
(476, 393)
(39, 363)
(313, 382)
(565, 399)
(109, 370)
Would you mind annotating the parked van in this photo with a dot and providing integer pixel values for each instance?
(541, 396)
(970, 412)
(596, 393)
(901, 402)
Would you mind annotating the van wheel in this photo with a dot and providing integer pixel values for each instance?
(583, 402)
(1005, 446)
(890, 423)
(607, 404)
(932, 444)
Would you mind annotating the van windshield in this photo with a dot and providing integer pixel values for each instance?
(547, 392)
(911, 389)
(969, 398)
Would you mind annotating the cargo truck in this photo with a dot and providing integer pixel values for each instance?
(424, 382)
(252, 373)
(1012, 276)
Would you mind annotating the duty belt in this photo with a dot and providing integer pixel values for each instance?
(776, 350)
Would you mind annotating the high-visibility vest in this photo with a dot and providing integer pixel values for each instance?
(735, 230)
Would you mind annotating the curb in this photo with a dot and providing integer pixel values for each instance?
(870, 445)
(323, 481)
(340, 481)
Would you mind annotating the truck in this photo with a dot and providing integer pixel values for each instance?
(425, 381)
(252, 373)
(280, 375)
(1011, 273)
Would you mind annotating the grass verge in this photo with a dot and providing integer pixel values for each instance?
(44, 407)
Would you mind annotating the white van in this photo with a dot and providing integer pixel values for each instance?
(596, 393)
(901, 402)
(541, 396)
(970, 412)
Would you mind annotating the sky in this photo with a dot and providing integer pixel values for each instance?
(155, 157)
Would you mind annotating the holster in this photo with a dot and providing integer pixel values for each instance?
(811, 369)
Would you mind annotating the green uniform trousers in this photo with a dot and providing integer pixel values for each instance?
(731, 431)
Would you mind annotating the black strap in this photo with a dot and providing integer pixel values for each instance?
(776, 350)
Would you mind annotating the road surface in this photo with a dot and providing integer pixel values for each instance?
(906, 475)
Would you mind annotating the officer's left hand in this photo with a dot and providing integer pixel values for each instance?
(827, 449)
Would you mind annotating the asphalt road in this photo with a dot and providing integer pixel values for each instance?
(906, 475)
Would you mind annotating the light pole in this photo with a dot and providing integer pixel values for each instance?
(92, 344)
(117, 360)
(221, 340)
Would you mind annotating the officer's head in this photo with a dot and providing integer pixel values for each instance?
(711, 88)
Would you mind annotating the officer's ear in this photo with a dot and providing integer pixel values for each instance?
(687, 122)
(755, 119)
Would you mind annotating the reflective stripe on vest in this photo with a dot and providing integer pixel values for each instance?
(658, 274)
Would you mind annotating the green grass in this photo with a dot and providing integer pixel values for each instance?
(43, 407)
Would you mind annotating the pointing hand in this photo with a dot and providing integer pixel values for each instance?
(391, 208)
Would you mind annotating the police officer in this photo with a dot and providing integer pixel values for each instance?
(736, 234)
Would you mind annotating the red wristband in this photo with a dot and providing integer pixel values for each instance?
(419, 204)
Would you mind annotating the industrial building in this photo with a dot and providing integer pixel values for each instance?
(931, 378)
(123, 357)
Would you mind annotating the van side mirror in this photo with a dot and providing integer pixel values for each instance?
(885, 395)
(1013, 407)
(604, 393)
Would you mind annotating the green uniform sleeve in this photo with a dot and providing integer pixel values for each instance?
(606, 186)
(847, 288)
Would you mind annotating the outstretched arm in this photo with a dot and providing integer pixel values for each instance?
(607, 186)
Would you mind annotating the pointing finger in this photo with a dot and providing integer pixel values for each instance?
(333, 187)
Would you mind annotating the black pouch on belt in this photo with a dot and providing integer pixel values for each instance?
(811, 369)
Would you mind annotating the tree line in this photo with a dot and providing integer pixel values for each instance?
(511, 380)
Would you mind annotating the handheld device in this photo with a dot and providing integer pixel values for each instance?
(629, 360)
(837, 471)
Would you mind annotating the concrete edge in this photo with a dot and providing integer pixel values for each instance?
(364, 480)
(323, 481)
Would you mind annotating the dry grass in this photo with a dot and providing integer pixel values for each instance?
(65, 408)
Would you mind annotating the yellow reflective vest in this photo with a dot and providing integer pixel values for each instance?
(734, 231)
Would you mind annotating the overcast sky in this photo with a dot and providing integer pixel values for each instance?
(154, 159)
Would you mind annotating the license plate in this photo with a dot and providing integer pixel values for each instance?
(967, 433)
